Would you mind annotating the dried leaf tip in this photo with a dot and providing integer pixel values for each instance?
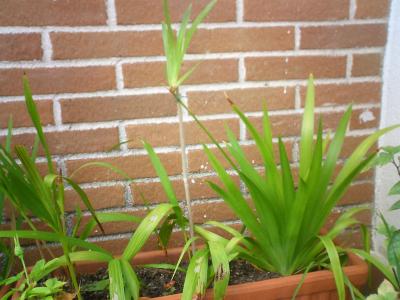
(228, 99)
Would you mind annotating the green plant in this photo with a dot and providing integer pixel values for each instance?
(284, 217)
(28, 282)
(175, 47)
(217, 250)
(43, 198)
(28, 192)
(7, 257)
(287, 218)
(391, 269)
(123, 282)
(385, 292)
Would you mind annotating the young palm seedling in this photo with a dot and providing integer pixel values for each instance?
(43, 198)
(391, 270)
(286, 222)
(6, 253)
(175, 47)
(29, 193)
(218, 250)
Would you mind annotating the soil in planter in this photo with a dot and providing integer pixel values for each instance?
(156, 282)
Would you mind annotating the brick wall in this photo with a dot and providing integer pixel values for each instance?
(96, 68)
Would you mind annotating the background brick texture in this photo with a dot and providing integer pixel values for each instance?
(96, 68)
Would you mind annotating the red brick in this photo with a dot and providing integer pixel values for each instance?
(372, 9)
(115, 227)
(153, 73)
(351, 239)
(347, 36)
(351, 143)
(198, 160)
(365, 118)
(282, 125)
(363, 216)
(76, 45)
(151, 11)
(358, 193)
(100, 198)
(134, 166)
(281, 68)
(295, 10)
(290, 125)
(20, 115)
(117, 108)
(20, 46)
(49, 12)
(168, 134)
(212, 211)
(74, 141)
(58, 80)
(243, 39)
(366, 65)
(344, 94)
(248, 100)
(153, 192)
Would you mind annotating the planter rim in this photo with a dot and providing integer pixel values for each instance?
(316, 281)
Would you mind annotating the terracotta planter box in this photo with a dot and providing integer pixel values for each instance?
(317, 285)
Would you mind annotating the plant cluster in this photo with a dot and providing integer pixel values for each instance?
(390, 287)
(283, 212)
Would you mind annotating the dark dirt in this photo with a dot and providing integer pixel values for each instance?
(156, 282)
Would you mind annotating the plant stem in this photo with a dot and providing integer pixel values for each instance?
(185, 167)
(71, 269)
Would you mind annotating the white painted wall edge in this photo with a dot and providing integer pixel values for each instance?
(390, 114)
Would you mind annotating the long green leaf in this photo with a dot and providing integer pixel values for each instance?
(117, 290)
(35, 117)
(307, 130)
(335, 265)
(166, 183)
(196, 276)
(145, 229)
(131, 279)
(386, 270)
(50, 237)
(107, 217)
(82, 195)
(220, 264)
(358, 154)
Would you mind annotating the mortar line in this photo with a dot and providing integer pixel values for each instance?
(47, 47)
(153, 27)
(111, 14)
(173, 120)
(112, 61)
(239, 11)
(198, 88)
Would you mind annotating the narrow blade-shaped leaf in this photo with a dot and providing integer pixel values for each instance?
(145, 229)
(117, 290)
(35, 117)
(166, 183)
(307, 130)
(335, 266)
(220, 264)
(131, 279)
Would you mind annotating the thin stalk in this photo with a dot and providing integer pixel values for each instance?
(207, 132)
(71, 270)
(39, 244)
(19, 252)
(185, 168)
